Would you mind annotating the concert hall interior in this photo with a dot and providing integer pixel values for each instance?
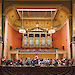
(43, 28)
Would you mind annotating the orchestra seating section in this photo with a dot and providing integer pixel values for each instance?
(37, 66)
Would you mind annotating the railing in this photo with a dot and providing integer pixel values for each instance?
(37, 51)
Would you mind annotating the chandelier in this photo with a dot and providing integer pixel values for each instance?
(22, 30)
(51, 30)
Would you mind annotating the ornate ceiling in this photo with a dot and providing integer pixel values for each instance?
(36, 15)
(31, 18)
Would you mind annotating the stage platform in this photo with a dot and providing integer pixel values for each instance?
(41, 53)
(37, 70)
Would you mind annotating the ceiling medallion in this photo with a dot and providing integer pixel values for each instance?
(37, 25)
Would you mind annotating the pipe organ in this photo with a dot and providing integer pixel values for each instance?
(37, 37)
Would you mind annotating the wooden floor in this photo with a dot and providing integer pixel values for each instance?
(37, 70)
(40, 55)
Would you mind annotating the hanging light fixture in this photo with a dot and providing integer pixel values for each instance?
(51, 30)
(37, 24)
(22, 30)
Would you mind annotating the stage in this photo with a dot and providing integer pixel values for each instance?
(41, 53)
(37, 70)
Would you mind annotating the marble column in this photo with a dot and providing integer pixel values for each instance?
(50, 40)
(5, 38)
(17, 55)
(68, 40)
(46, 39)
(40, 40)
(34, 38)
(27, 39)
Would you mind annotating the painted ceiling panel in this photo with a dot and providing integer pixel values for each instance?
(59, 18)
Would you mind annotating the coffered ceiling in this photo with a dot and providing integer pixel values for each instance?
(31, 18)
(37, 14)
